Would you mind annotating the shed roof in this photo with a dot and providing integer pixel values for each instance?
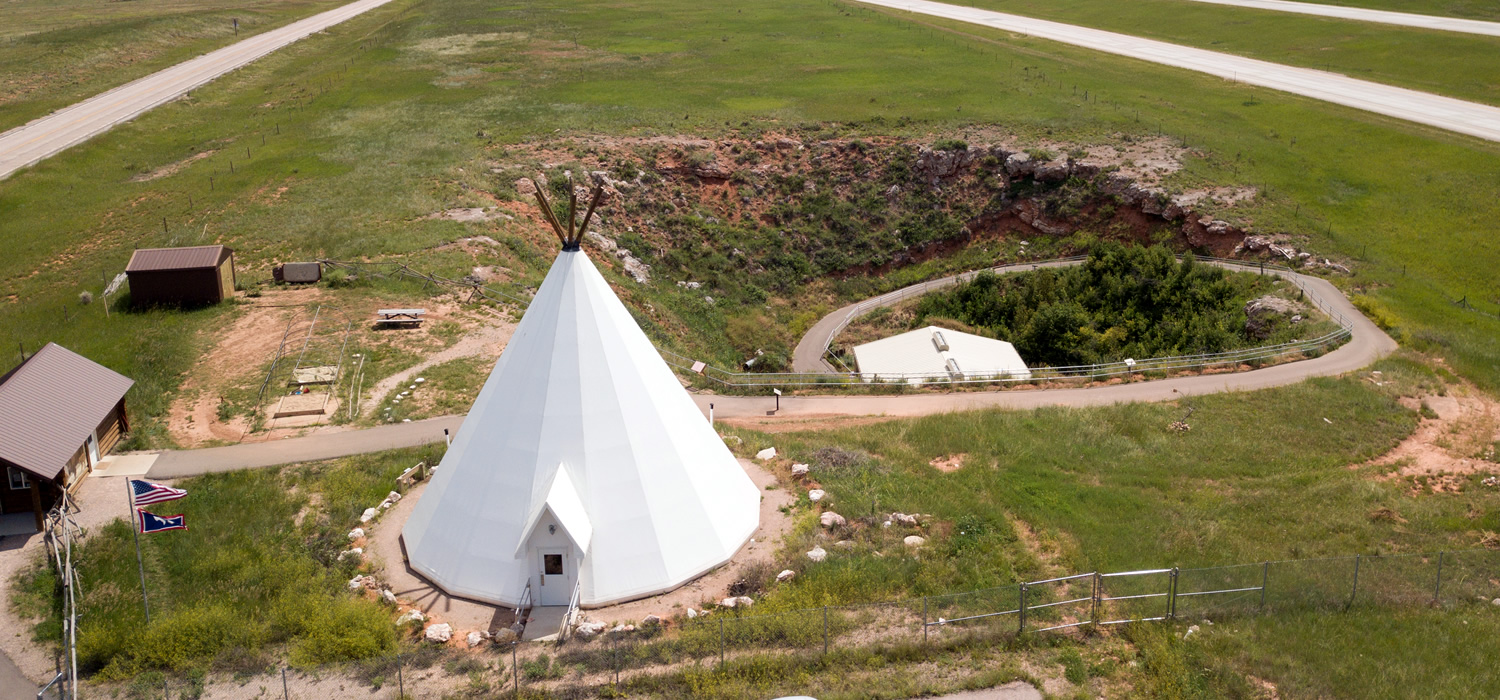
(916, 356)
(193, 258)
(49, 405)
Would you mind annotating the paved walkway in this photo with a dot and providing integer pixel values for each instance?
(1361, 14)
(1473, 119)
(1366, 344)
(70, 126)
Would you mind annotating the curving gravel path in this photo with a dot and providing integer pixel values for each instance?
(1366, 344)
(1361, 14)
(1473, 119)
(70, 126)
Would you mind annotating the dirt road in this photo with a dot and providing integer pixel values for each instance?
(70, 126)
(1462, 117)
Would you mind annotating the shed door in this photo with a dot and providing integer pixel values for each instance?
(557, 574)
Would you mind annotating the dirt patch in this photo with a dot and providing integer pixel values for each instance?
(1455, 440)
(166, 170)
(471, 214)
(949, 463)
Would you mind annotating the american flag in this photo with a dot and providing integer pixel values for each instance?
(144, 493)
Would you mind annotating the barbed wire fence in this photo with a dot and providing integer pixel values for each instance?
(722, 639)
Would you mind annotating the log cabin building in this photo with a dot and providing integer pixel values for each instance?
(60, 413)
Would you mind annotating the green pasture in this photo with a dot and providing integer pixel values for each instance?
(1465, 66)
(401, 112)
(53, 54)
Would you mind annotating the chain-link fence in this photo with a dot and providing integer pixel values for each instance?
(1085, 603)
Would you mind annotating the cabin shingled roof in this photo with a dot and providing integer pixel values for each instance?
(49, 405)
(192, 258)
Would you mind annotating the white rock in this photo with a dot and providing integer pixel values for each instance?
(369, 515)
(356, 533)
(588, 629)
(729, 602)
(914, 541)
(691, 613)
(786, 575)
(844, 544)
(817, 554)
(393, 497)
(745, 601)
(388, 596)
(412, 386)
(505, 635)
(799, 470)
(831, 519)
(651, 620)
(421, 379)
(816, 495)
(412, 615)
(356, 583)
(905, 519)
(1495, 601)
(886, 524)
(356, 553)
(618, 628)
(768, 453)
(439, 633)
(475, 639)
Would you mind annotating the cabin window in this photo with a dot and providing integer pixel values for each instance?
(552, 564)
(18, 480)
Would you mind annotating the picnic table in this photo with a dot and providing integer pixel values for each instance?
(399, 317)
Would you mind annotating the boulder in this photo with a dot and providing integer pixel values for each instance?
(745, 601)
(585, 630)
(504, 635)
(691, 613)
(729, 603)
(355, 553)
(356, 583)
(831, 519)
(368, 515)
(904, 519)
(1052, 171)
(1019, 164)
(651, 620)
(934, 165)
(914, 541)
(393, 497)
(816, 495)
(799, 470)
(387, 596)
(786, 575)
(844, 544)
(817, 554)
(438, 633)
(474, 639)
(768, 453)
(1261, 314)
(412, 615)
(356, 533)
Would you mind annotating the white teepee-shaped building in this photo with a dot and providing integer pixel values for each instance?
(583, 463)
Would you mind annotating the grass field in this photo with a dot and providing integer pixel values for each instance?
(1464, 66)
(254, 577)
(390, 130)
(53, 54)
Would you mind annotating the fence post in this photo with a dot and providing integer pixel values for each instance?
(721, 643)
(825, 630)
(1094, 603)
(1265, 573)
(1022, 628)
(515, 669)
(1437, 591)
(284, 694)
(1355, 590)
(400, 681)
(924, 619)
(1172, 596)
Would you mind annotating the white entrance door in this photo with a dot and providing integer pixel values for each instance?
(557, 576)
(93, 443)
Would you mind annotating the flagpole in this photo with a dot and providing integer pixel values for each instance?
(130, 493)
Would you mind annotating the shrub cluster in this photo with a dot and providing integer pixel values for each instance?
(1122, 302)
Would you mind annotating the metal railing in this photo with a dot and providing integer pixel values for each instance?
(566, 628)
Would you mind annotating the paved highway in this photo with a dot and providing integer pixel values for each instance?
(1361, 14)
(1473, 119)
(70, 126)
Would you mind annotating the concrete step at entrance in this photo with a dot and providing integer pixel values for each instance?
(544, 623)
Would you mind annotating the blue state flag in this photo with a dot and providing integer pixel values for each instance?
(151, 522)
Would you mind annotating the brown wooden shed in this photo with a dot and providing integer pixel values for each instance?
(181, 276)
(60, 413)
